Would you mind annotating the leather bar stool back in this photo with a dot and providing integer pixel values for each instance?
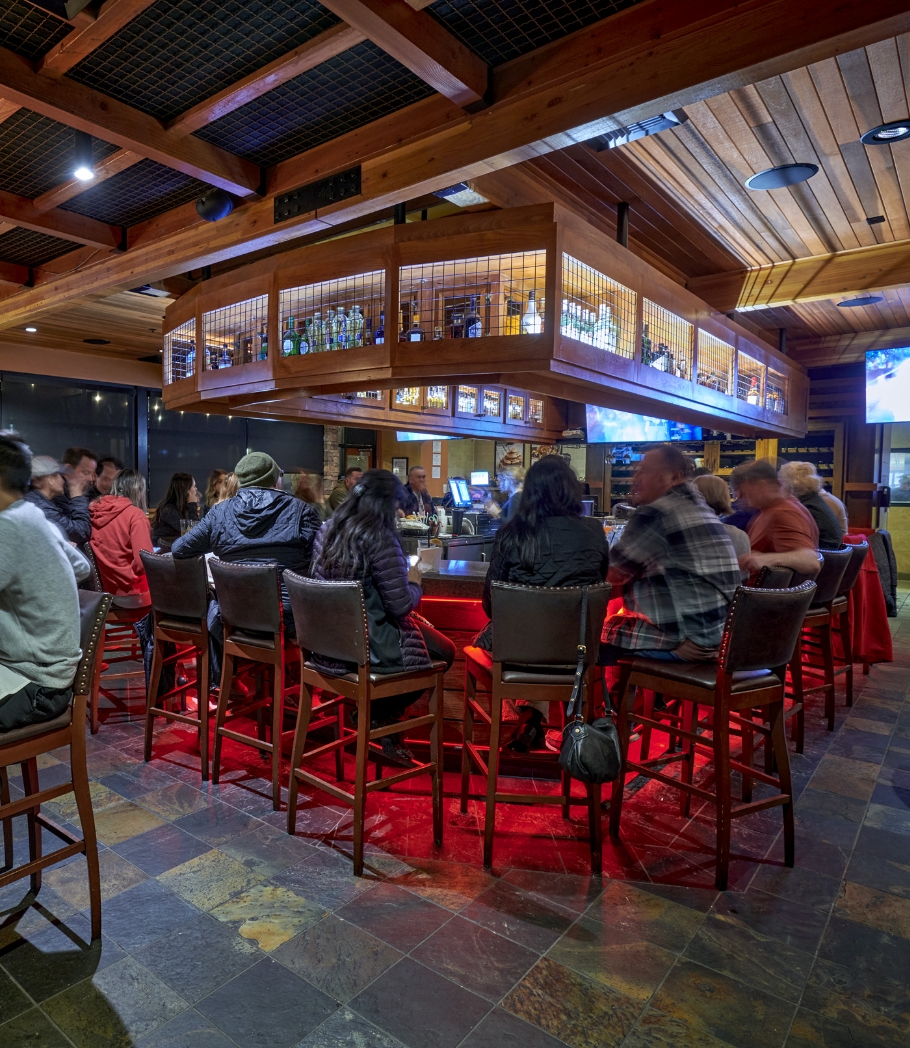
(249, 596)
(331, 620)
(179, 592)
(23, 746)
(759, 638)
(535, 652)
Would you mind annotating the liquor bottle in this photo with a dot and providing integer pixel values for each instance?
(437, 333)
(402, 330)
(602, 327)
(512, 322)
(368, 332)
(379, 336)
(224, 360)
(331, 330)
(317, 334)
(190, 360)
(263, 341)
(290, 342)
(615, 332)
(564, 316)
(473, 324)
(304, 338)
(531, 324)
(354, 327)
(752, 397)
(416, 334)
(646, 357)
(457, 324)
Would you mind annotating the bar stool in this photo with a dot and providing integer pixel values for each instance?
(759, 639)
(23, 746)
(179, 592)
(331, 619)
(249, 596)
(840, 609)
(535, 653)
(119, 636)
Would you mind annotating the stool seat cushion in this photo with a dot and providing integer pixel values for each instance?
(8, 738)
(378, 678)
(701, 674)
(183, 625)
(544, 673)
(839, 605)
(817, 615)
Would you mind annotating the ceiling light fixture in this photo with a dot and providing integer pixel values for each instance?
(863, 300)
(83, 163)
(31, 330)
(462, 195)
(781, 176)
(97, 341)
(651, 125)
(214, 205)
(885, 134)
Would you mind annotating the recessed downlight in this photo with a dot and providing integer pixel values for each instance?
(97, 341)
(31, 330)
(782, 176)
(885, 134)
(862, 300)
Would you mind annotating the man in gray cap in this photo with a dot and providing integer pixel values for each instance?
(70, 515)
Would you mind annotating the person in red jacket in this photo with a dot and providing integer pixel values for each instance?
(120, 530)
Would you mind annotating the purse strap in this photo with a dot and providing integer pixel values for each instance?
(575, 703)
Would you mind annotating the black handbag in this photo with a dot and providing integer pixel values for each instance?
(589, 752)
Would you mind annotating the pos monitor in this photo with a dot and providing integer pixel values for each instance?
(461, 497)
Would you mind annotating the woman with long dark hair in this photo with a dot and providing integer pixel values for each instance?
(547, 542)
(181, 502)
(360, 542)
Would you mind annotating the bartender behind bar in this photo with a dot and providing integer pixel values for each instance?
(417, 498)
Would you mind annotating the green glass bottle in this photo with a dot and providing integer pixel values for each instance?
(290, 343)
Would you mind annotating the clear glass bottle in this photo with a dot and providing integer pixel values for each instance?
(379, 336)
(317, 334)
(752, 397)
(600, 336)
(290, 341)
(645, 346)
(473, 325)
(304, 334)
(354, 328)
(224, 358)
(331, 330)
(531, 324)
(263, 341)
(368, 332)
(416, 333)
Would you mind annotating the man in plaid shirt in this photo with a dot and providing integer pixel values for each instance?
(676, 565)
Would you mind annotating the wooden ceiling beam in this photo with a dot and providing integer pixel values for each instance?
(11, 275)
(825, 350)
(90, 34)
(72, 187)
(421, 44)
(654, 56)
(807, 279)
(88, 110)
(64, 224)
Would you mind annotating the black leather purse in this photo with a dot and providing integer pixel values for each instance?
(589, 752)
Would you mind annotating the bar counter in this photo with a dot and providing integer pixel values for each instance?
(455, 578)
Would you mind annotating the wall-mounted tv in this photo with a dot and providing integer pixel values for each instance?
(888, 385)
(609, 426)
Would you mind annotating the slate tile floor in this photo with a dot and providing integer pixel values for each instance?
(221, 931)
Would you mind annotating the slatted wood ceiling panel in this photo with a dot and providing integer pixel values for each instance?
(808, 319)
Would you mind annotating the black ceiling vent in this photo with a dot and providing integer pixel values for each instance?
(152, 292)
(651, 126)
(318, 194)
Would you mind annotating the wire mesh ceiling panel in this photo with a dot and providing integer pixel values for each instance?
(28, 30)
(23, 247)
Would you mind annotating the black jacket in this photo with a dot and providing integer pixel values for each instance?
(829, 533)
(258, 525)
(70, 515)
(166, 528)
(573, 552)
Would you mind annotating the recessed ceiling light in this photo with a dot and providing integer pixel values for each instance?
(885, 134)
(83, 163)
(782, 176)
(97, 341)
(31, 330)
(863, 300)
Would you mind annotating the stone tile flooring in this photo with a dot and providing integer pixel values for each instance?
(220, 930)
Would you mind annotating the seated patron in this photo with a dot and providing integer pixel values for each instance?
(800, 480)
(108, 467)
(547, 542)
(676, 566)
(228, 489)
(180, 502)
(742, 513)
(783, 532)
(342, 489)
(120, 531)
(308, 486)
(213, 489)
(39, 606)
(360, 542)
(70, 514)
(416, 497)
(716, 493)
(79, 466)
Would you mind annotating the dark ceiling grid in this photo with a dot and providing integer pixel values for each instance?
(36, 153)
(178, 53)
(140, 192)
(352, 89)
(26, 248)
(499, 30)
(28, 30)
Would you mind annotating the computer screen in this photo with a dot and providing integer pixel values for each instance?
(461, 497)
(480, 477)
(888, 385)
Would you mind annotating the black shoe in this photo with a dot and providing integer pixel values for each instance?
(530, 732)
(394, 750)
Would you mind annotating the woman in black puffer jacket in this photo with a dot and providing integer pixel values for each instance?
(546, 543)
(360, 542)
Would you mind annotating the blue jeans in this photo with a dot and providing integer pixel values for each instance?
(610, 654)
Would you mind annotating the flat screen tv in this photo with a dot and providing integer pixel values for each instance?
(888, 385)
(609, 426)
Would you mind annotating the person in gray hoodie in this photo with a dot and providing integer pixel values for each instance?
(39, 605)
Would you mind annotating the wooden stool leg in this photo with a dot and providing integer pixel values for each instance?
(202, 703)
(647, 711)
(689, 714)
(360, 781)
(489, 824)
(566, 780)
(277, 720)
(437, 756)
(87, 820)
(626, 696)
(304, 712)
(150, 698)
(7, 823)
(467, 736)
(748, 753)
(843, 628)
(827, 646)
(96, 684)
(30, 785)
(724, 795)
(595, 821)
(227, 679)
(779, 742)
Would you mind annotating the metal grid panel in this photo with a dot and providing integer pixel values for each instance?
(29, 31)
(140, 192)
(236, 334)
(776, 390)
(597, 310)
(666, 340)
(535, 410)
(715, 363)
(26, 248)
(36, 153)
(516, 407)
(502, 29)
(180, 352)
(333, 314)
(473, 297)
(356, 87)
(750, 379)
(180, 52)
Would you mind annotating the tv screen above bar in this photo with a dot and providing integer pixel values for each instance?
(609, 426)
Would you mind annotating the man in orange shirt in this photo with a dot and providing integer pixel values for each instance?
(783, 533)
